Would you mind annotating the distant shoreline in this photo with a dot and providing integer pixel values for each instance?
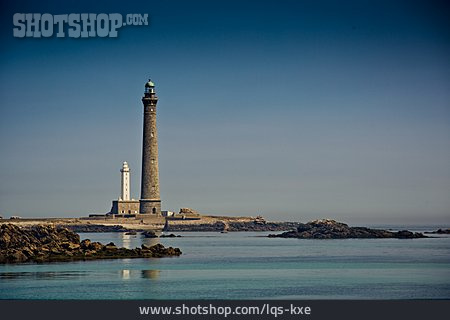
(203, 224)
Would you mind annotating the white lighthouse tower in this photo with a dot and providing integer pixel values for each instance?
(125, 205)
(125, 182)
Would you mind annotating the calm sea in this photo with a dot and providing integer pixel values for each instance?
(245, 265)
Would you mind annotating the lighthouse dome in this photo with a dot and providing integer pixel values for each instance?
(149, 84)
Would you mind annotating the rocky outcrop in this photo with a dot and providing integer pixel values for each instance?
(259, 225)
(152, 234)
(331, 229)
(194, 227)
(169, 236)
(232, 226)
(188, 211)
(80, 228)
(149, 234)
(47, 243)
(439, 231)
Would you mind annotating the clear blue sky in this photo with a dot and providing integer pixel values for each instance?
(291, 109)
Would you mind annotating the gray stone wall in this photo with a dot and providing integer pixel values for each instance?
(125, 207)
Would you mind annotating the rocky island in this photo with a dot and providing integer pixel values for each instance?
(331, 229)
(178, 223)
(45, 243)
(94, 228)
(439, 231)
(219, 224)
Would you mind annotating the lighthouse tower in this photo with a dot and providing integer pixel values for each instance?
(125, 182)
(124, 205)
(150, 202)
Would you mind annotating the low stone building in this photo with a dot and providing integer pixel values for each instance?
(125, 207)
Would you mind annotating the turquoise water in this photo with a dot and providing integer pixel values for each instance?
(245, 265)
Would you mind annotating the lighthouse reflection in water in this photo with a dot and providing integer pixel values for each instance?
(131, 241)
(145, 274)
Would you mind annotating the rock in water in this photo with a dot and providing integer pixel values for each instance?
(47, 243)
(93, 228)
(331, 229)
(440, 231)
(169, 236)
(149, 234)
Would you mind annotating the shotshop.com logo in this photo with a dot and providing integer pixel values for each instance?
(73, 25)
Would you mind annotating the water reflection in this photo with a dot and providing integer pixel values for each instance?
(131, 241)
(42, 275)
(127, 274)
(150, 274)
(150, 241)
(127, 240)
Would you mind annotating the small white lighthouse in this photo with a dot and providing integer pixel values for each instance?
(124, 205)
(125, 183)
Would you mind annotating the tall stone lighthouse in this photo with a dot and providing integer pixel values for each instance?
(150, 202)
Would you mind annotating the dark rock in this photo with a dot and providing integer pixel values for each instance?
(71, 246)
(149, 234)
(330, 229)
(303, 227)
(18, 256)
(95, 246)
(232, 226)
(48, 243)
(169, 236)
(80, 228)
(110, 246)
(131, 233)
(85, 244)
(404, 234)
(439, 231)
